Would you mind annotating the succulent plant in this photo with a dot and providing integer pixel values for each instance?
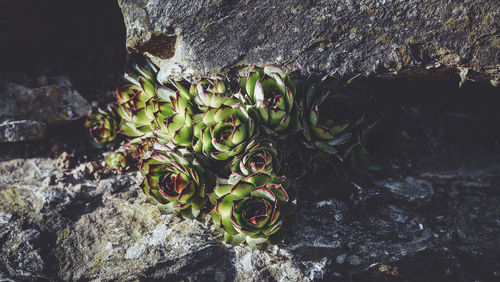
(102, 125)
(210, 94)
(251, 209)
(323, 125)
(225, 132)
(258, 157)
(115, 160)
(176, 182)
(137, 102)
(272, 93)
(356, 152)
(174, 122)
(175, 130)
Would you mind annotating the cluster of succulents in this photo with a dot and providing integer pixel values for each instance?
(217, 148)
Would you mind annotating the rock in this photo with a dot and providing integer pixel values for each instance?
(410, 189)
(22, 130)
(25, 111)
(57, 225)
(369, 37)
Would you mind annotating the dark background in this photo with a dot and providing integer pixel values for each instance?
(84, 40)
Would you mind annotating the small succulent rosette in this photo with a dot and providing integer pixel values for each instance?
(258, 157)
(137, 102)
(115, 160)
(173, 121)
(175, 181)
(324, 125)
(102, 125)
(251, 210)
(271, 91)
(225, 132)
(211, 94)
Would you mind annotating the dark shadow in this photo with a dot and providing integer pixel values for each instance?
(198, 266)
(425, 126)
(84, 41)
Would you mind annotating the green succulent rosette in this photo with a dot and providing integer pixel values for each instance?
(137, 102)
(356, 152)
(102, 126)
(115, 160)
(224, 132)
(173, 122)
(210, 94)
(271, 91)
(324, 122)
(258, 157)
(251, 209)
(176, 182)
(151, 110)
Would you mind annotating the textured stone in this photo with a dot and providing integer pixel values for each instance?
(25, 111)
(370, 37)
(22, 130)
(56, 224)
(55, 103)
(410, 189)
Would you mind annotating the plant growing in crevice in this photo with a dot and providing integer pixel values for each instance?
(205, 149)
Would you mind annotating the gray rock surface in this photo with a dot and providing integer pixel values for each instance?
(410, 189)
(22, 130)
(26, 111)
(370, 37)
(61, 222)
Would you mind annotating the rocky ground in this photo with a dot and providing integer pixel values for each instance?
(431, 214)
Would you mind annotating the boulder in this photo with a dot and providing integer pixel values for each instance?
(370, 37)
(26, 111)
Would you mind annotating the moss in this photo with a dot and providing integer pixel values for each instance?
(406, 60)
(371, 10)
(320, 18)
(21, 202)
(465, 24)
(412, 41)
(384, 39)
(450, 23)
(496, 43)
(442, 52)
(488, 19)
(319, 40)
(61, 236)
(472, 37)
